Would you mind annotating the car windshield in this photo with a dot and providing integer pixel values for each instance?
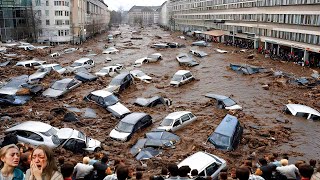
(75, 64)
(116, 81)
(124, 127)
(59, 86)
(50, 132)
(220, 140)
(166, 122)
(229, 102)
(153, 56)
(43, 70)
(104, 71)
(57, 67)
(140, 74)
(83, 137)
(111, 100)
(177, 78)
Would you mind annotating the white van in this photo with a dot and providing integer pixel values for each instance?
(82, 63)
(181, 77)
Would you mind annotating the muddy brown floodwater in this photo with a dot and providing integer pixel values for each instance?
(266, 128)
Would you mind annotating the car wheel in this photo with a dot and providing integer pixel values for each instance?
(98, 149)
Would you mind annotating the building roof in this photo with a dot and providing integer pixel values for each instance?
(144, 8)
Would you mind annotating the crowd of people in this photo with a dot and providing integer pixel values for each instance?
(20, 162)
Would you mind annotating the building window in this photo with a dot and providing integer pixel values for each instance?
(58, 22)
(47, 22)
(38, 12)
(47, 12)
(66, 32)
(58, 13)
(47, 3)
(67, 22)
(38, 2)
(60, 32)
(66, 13)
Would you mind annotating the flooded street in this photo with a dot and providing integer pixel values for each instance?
(266, 128)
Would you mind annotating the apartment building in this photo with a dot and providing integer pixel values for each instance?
(275, 24)
(164, 15)
(16, 20)
(143, 15)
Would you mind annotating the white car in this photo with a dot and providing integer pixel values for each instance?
(61, 87)
(181, 77)
(55, 67)
(26, 46)
(82, 63)
(176, 120)
(206, 164)
(70, 50)
(151, 58)
(224, 102)
(302, 111)
(109, 70)
(140, 61)
(110, 50)
(141, 76)
(221, 51)
(55, 54)
(30, 63)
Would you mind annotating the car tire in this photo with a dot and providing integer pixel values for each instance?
(98, 149)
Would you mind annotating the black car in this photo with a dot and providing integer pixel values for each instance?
(120, 83)
(228, 134)
(129, 125)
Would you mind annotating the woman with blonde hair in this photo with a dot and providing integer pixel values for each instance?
(10, 157)
(43, 165)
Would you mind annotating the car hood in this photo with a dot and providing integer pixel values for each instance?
(9, 90)
(100, 74)
(93, 143)
(166, 128)
(61, 71)
(122, 136)
(37, 75)
(52, 93)
(174, 82)
(112, 88)
(118, 109)
(234, 107)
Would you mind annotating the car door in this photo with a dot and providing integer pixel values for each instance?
(30, 137)
(146, 121)
(185, 120)
(212, 170)
(101, 102)
(176, 125)
(184, 79)
(75, 145)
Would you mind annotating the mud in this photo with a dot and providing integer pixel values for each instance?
(266, 128)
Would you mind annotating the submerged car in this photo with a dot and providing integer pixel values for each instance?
(86, 63)
(129, 125)
(7, 100)
(198, 53)
(30, 63)
(110, 70)
(38, 75)
(227, 135)
(224, 102)
(206, 164)
(181, 77)
(14, 85)
(221, 51)
(151, 102)
(185, 60)
(109, 101)
(175, 45)
(177, 120)
(110, 50)
(120, 83)
(55, 67)
(141, 76)
(159, 46)
(70, 50)
(61, 87)
(151, 58)
(85, 76)
(300, 110)
(200, 43)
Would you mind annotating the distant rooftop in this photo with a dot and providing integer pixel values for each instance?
(144, 8)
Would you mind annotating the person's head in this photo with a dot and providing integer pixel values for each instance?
(305, 170)
(97, 156)
(223, 175)
(164, 171)
(271, 158)
(43, 157)
(284, 162)
(275, 155)
(67, 169)
(10, 155)
(86, 160)
(139, 175)
(122, 172)
(285, 156)
(184, 170)
(104, 159)
(173, 170)
(263, 161)
(313, 162)
(242, 173)
(247, 163)
(24, 158)
(61, 160)
(194, 172)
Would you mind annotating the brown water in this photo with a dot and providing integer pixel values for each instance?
(260, 107)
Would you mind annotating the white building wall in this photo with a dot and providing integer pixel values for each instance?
(164, 15)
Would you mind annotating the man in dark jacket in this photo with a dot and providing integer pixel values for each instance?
(100, 168)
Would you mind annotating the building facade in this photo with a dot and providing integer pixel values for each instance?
(163, 15)
(16, 20)
(143, 15)
(273, 23)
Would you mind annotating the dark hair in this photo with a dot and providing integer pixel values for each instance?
(67, 169)
(223, 175)
(275, 155)
(247, 163)
(61, 160)
(122, 172)
(104, 159)
(173, 170)
(263, 161)
(139, 175)
(242, 173)
(96, 156)
(285, 156)
(313, 162)
(24, 157)
(164, 171)
(51, 162)
(194, 172)
(184, 170)
(305, 170)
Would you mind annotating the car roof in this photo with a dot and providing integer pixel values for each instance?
(177, 114)
(227, 125)
(82, 60)
(216, 96)
(136, 71)
(133, 118)
(66, 80)
(199, 161)
(140, 60)
(295, 108)
(182, 72)
(28, 61)
(66, 133)
(155, 54)
(49, 65)
(33, 126)
(121, 76)
(101, 93)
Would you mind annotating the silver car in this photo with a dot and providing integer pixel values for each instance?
(61, 87)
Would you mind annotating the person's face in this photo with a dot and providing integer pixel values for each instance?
(39, 158)
(12, 157)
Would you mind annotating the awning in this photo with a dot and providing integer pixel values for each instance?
(214, 33)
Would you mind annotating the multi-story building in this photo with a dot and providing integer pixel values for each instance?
(16, 20)
(287, 24)
(64, 21)
(143, 15)
(164, 15)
